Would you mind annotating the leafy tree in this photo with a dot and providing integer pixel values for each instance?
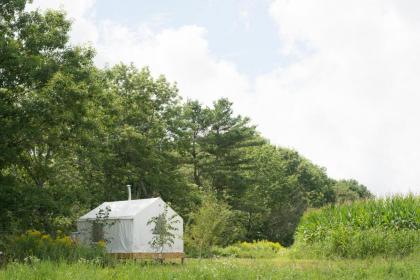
(350, 190)
(212, 224)
(46, 87)
(139, 141)
(194, 127)
(100, 224)
(163, 227)
(285, 185)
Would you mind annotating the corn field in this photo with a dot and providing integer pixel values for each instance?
(386, 226)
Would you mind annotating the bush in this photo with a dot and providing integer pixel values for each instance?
(35, 245)
(385, 227)
(213, 224)
(256, 249)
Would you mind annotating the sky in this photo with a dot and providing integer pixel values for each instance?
(337, 80)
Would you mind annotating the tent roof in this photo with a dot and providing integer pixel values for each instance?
(125, 209)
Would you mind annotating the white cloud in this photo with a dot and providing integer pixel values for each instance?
(181, 54)
(350, 102)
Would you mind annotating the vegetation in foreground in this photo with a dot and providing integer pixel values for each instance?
(255, 249)
(224, 268)
(33, 245)
(385, 227)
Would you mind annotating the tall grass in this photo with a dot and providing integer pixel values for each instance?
(34, 246)
(223, 268)
(387, 227)
(253, 250)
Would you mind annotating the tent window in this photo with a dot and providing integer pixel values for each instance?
(97, 232)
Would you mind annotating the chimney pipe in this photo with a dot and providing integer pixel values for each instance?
(129, 192)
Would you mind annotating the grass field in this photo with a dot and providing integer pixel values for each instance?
(225, 268)
(375, 239)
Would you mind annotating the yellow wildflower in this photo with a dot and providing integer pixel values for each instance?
(46, 237)
(34, 233)
(101, 243)
(65, 240)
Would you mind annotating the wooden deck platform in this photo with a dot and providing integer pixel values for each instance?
(144, 256)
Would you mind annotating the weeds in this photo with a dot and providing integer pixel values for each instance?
(255, 249)
(223, 268)
(33, 245)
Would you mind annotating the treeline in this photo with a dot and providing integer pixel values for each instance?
(72, 136)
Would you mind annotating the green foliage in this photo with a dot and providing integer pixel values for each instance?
(223, 268)
(387, 227)
(212, 225)
(226, 144)
(285, 184)
(255, 249)
(163, 228)
(139, 134)
(101, 224)
(34, 245)
(46, 88)
(350, 190)
(216, 144)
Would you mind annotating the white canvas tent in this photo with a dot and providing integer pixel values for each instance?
(126, 229)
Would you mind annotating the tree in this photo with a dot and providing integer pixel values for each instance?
(227, 145)
(139, 139)
(213, 224)
(46, 90)
(216, 145)
(101, 223)
(194, 128)
(163, 227)
(285, 185)
(350, 190)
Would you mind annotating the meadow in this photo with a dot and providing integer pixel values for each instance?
(225, 268)
(372, 239)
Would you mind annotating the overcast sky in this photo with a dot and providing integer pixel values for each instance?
(339, 81)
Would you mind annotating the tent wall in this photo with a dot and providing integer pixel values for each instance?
(178, 245)
(118, 234)
(85, 232)
(143, 232)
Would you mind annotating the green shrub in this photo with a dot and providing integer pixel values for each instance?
(256, 249)
(34, 245)
(385, 227)
(213, 224)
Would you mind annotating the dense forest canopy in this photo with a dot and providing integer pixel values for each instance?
(73, 135)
